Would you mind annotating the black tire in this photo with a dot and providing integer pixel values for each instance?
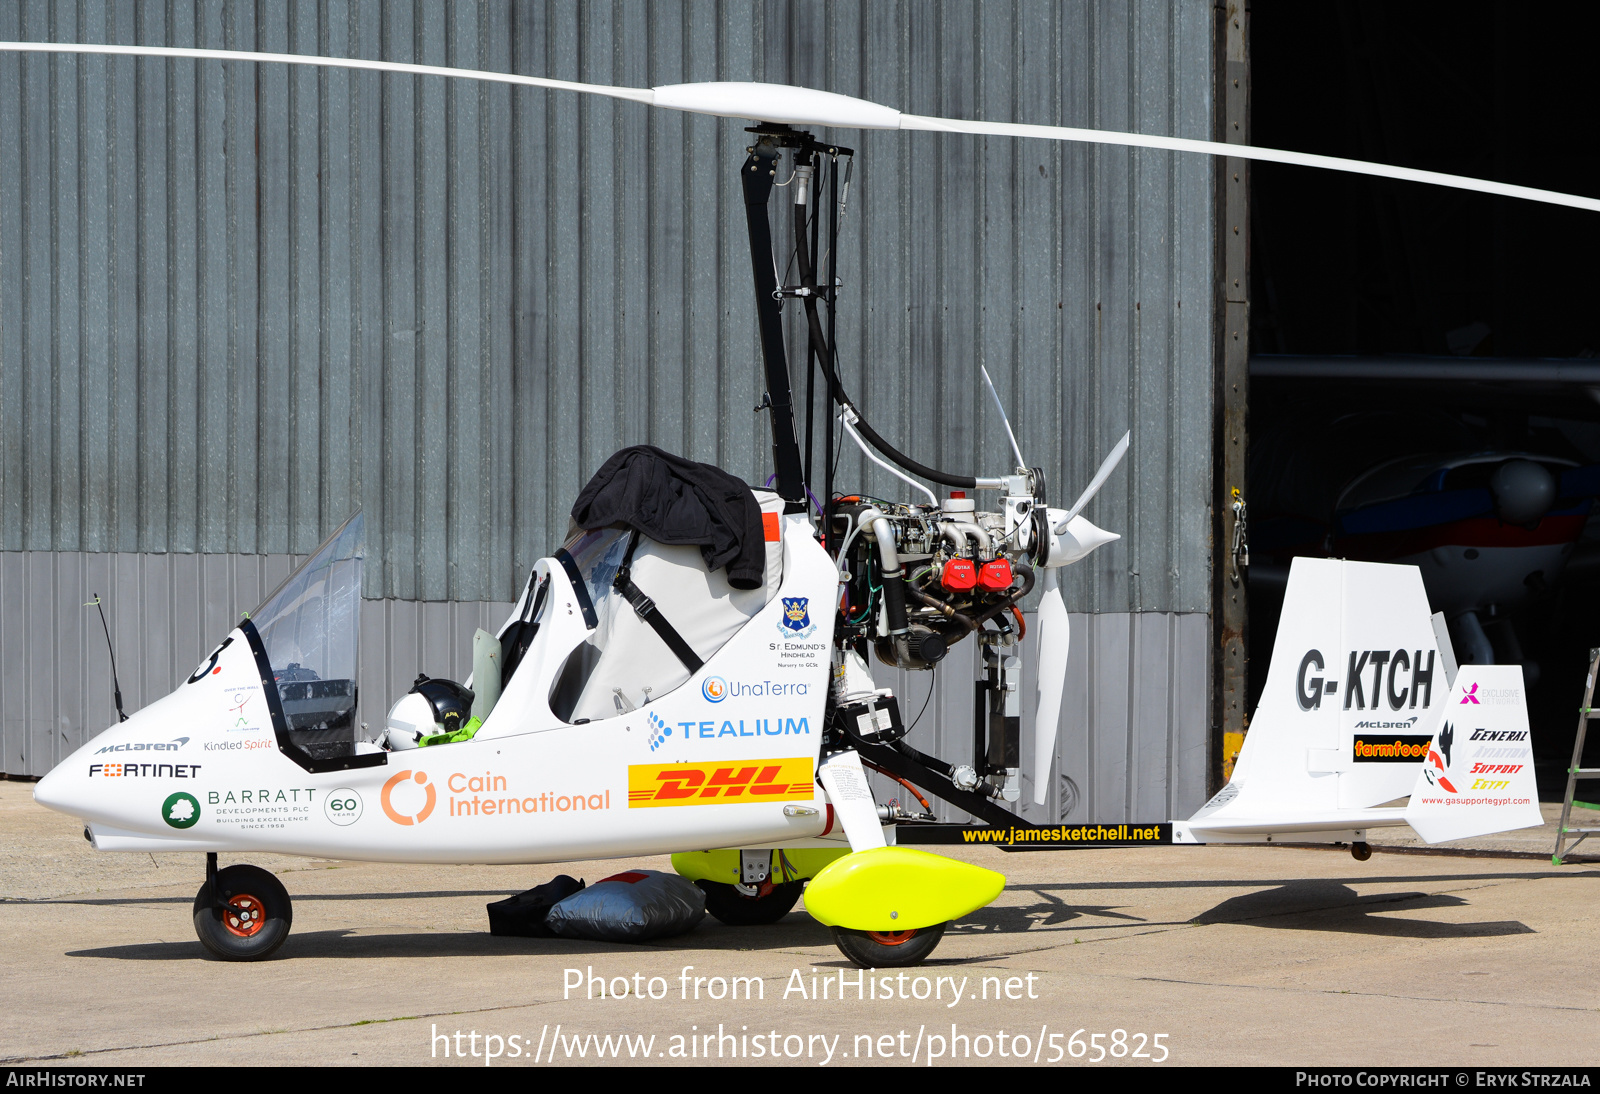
(735, 909)
(887, 950)
(258, 921)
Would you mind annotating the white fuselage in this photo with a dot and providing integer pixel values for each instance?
(728, 759)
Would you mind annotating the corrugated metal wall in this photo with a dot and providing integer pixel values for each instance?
(237, 301)
(165, 613)
(1133, 726)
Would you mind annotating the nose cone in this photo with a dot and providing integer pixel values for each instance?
(1523, 491)
(60, 791)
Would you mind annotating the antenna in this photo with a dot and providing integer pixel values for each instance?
(1021, 463)
(116, 688)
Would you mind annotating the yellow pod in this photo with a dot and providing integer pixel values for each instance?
(898, 889)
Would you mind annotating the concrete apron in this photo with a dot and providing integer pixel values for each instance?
(1237, 955)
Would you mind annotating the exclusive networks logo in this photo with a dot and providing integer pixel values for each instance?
(387, 797)
(715, 689)
(1494, 697)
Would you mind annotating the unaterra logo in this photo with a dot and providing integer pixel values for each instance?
(779, 780)
(389, 788)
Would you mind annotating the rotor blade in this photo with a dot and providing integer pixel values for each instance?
(1249, 152)
(807, 106)
(1054, 640)
(1098, 481)
(637, 94)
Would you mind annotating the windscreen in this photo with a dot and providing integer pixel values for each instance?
(597, 555)
(310, 628)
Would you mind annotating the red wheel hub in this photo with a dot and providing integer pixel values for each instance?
(891, 938)
(244, 916)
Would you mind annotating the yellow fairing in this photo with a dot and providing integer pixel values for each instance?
(789, 864)
(898, 889)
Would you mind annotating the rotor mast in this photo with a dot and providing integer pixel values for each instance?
(757, 176)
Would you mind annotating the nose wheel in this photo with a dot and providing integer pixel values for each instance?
(242, 913)
(887, 949)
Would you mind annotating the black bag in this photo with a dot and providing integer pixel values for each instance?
(633, 906)
(522, 916)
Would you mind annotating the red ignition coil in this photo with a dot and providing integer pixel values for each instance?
(959, 575)
(996, 575)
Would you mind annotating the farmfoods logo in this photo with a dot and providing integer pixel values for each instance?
(180, 810)
(1397, 749)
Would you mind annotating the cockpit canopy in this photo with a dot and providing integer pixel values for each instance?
(309, 631)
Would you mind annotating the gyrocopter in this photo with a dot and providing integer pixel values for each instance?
(692, 668)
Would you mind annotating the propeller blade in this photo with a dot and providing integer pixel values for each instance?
(806, 106)
(998, 405)
(1099, 480)
(1054, 639)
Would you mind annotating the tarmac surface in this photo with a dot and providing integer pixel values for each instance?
(1234, 954)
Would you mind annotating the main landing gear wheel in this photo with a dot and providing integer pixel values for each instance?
(887, 949)
(736, 909)
(254, 918)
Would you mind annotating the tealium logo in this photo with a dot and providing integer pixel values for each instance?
(659, 731)
(421, 778)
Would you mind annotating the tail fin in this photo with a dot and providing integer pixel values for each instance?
(1354, 689)
(1478, 775)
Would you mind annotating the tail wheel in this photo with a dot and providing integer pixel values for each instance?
(247, 919)
(736, 909)
(887, 949)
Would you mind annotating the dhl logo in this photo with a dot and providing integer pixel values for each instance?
(652, 785)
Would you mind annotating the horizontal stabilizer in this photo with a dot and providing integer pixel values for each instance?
(1289, 823)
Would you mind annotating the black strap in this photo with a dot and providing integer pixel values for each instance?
(579, 589)
(646, 609)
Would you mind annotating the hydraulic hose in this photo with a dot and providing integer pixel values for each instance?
(819, 343)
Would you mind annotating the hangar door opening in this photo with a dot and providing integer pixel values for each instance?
(1424, 364)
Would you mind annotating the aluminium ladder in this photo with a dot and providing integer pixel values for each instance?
(1575, 772)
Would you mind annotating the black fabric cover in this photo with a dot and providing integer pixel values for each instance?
(679, 502)
(523, 915)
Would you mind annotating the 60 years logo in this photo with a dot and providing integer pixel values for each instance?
(342, 806)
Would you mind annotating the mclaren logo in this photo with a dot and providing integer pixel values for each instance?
(781, 780)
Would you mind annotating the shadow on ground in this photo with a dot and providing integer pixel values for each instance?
(1326, 905)
(795, 931)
